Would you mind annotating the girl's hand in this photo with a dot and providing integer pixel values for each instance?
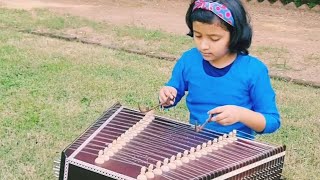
(226, 115)
(167, 95)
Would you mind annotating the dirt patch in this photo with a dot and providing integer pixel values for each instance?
(287, 40)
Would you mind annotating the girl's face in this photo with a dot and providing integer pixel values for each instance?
(212, 41)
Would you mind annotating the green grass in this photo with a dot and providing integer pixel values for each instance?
(276, 57)
(51, 90)
(156, 42)
(42, 18)
(299, 107)
(49, 95)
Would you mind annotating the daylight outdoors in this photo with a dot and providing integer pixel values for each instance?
(64, 62)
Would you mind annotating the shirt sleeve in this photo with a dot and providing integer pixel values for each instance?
(264, 100)
(177, 80)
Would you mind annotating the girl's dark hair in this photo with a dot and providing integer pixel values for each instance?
(240, 34)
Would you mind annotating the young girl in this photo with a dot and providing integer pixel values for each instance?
(220, 77)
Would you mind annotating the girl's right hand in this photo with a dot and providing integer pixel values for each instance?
(167, 95)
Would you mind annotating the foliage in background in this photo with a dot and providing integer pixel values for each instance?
(310, 3)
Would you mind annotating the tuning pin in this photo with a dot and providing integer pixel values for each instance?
(178, 160)
(157, 170)
(99, 159)
(172, 164)
(185, 158)
(198, 152)
(142, 175)
(165, 167)
(150, 173)
(203, 149)
(191, 154)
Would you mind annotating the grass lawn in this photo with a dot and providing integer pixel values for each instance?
(51, 90)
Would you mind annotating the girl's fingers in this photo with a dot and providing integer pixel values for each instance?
(171, 102)
(225, 121)
(220, 117)
(216, 110)
(169, 93)
(173, 94)
(170, 99)
(162, 97)
(166, 96)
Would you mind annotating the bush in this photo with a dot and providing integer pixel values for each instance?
(310, 3)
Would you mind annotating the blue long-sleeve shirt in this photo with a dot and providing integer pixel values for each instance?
(246, 84)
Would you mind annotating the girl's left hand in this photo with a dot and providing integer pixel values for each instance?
(226, 115)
